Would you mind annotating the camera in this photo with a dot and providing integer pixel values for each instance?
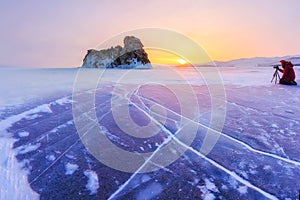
(275, 66)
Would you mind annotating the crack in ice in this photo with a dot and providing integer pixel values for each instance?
(231, 138)
(231, 173)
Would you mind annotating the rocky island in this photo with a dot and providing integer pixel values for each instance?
(132, 55)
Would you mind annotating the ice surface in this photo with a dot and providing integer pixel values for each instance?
(256, 156)
(20, 86)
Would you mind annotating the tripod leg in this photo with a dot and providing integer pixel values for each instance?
(274, 76)
(278, 76)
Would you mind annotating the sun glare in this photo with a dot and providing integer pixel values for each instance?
(157, 56)
(182, 61)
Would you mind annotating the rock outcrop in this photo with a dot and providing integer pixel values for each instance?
(132, 55)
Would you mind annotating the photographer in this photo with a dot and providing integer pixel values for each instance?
(288, 77)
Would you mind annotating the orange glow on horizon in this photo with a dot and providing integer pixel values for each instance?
(163, 57)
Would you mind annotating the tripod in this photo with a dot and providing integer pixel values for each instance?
(276, 76)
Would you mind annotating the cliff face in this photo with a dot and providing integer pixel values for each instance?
(132, 55)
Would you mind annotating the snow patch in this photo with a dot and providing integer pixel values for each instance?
(54, 130)
(13, 176)
(31, 117)
(224, 187)
(252, 171)
(23, 134)
(207, 189)
(63, 101)
(209, 196)
(267, 167)
(93, 183)
(243, 189)
(111, 136)
(8, 122)
(28, 148)
(42, 108)
(233, 182)
(50, 157)
(281, 131)
(70, 156)
(150, 192)
(244, 174)
(145, 178)
(70, 168)
(211, 186)
(255, 123)
(196, 181)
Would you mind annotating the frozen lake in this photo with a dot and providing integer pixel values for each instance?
(51, 150)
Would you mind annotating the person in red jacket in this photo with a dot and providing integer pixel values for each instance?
(288, 77)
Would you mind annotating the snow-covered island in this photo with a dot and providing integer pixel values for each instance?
(132, 55)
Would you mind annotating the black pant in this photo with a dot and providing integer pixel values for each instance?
(287, 82)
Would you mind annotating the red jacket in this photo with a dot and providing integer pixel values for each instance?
(288, 72)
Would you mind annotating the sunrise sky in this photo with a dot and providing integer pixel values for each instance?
(44, 33)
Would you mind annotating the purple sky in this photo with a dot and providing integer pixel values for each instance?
(58, 33)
